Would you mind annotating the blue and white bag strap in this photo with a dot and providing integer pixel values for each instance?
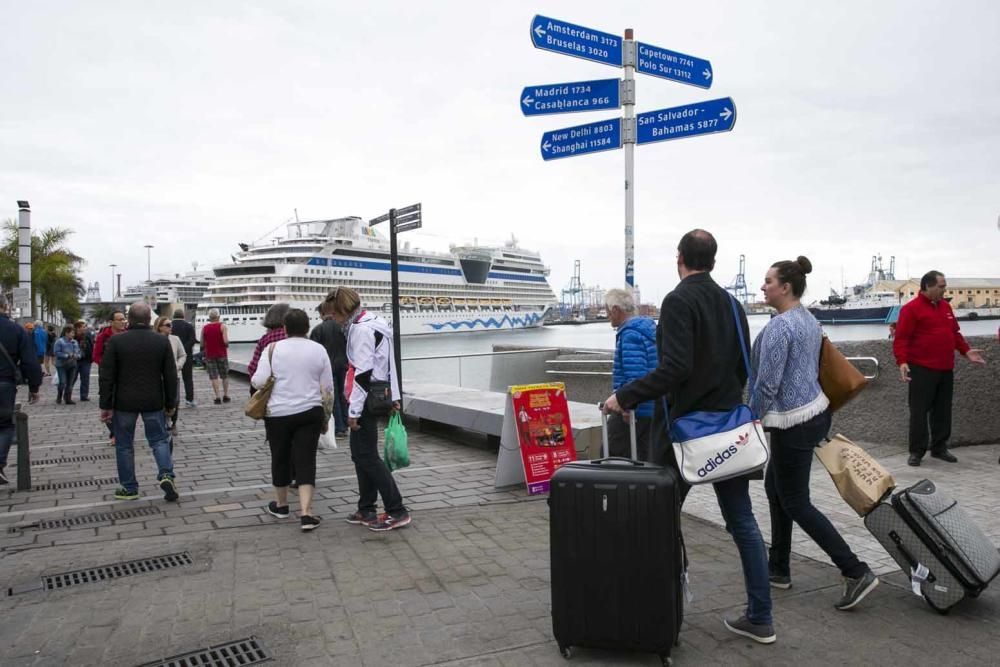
(739, 330)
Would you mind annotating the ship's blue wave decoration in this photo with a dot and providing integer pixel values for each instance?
(491, 323)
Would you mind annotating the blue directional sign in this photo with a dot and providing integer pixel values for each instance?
(668, 64)
(603, 135)
(575, 40)
(689, 120)
(569, 97)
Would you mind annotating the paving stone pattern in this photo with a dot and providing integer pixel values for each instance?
(466, 584)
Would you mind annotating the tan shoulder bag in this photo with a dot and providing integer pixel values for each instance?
(256, 407)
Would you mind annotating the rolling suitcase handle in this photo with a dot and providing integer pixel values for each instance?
(605, 446)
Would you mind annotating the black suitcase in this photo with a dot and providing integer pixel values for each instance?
(617, 555)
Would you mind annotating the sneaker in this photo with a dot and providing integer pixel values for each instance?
(855, 590)
(759, 632)
(3, 478)
(58, 400)
(914, 460)
(226, 399)
(84, 400)
(124, 494)
(274, 510)
(190, 404)
(782, 581)
(361, 519)
(218, 401)
(169, 489)
(389, 522)
(72, 402)
(309, 522)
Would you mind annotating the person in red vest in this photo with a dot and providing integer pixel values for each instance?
(214, 348)
(927, 336)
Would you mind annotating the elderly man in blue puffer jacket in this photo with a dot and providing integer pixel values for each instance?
(635, 356)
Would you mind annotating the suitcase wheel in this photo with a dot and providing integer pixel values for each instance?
(565, 652)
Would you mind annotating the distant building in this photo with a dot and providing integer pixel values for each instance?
(961, 292)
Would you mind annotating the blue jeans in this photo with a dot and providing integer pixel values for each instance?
(8, 433)
(339, 401)
(123, 426)
(734, 501)
(787, 486)
(67, 376)
(83, 368)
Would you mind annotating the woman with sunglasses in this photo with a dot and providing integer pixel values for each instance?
(164, 327)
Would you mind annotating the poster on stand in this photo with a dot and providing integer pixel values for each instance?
(544, 433)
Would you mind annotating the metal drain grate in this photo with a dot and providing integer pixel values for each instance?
(241, 652)
(128, 568)
(74, 459)
(75, 484)
(85, 519)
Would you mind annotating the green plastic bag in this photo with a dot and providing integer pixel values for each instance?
(397, 454)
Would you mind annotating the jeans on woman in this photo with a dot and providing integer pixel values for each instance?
(67, 376)
(374, 478)
(787, 485)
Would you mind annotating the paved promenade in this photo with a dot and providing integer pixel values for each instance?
(466, 584)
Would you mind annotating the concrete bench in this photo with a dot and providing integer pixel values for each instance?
(482, 412)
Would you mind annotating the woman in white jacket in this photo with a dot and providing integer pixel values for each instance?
(164, 327)
(370, 357)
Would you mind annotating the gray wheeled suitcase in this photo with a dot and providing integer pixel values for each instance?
(936, 543)
(617, 555)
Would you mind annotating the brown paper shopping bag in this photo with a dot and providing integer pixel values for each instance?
(860, 479)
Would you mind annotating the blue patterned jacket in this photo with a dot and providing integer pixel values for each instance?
(635, 356)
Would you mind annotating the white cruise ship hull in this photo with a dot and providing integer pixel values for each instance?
(412, 324)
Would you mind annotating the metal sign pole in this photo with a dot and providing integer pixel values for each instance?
(628, 141)
(394, 266)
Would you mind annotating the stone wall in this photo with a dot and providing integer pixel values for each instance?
(879, 415)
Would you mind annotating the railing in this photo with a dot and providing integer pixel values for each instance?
(854, 360)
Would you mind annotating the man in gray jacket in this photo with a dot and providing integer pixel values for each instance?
(138, 376)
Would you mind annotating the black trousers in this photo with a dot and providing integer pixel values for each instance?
(188, 376)
(618, 438)
(374, 478)
(293, 440)
(930, 397)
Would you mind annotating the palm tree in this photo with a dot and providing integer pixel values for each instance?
(54, 270)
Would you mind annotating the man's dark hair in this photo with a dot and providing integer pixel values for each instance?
(698, 249)
(179, 314)
(296, 322)
(116, 311)
(930, 279)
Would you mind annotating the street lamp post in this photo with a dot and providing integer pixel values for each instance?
(148, 275)
(111, 285)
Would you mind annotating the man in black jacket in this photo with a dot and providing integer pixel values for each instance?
(330, 335)
(138, 377)
(701, 368)
(184, 330)
(19, 348)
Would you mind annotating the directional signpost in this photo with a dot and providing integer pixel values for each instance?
(668, 64)
(605, 135)
(690, 120)
(569, 97)
(400, 220)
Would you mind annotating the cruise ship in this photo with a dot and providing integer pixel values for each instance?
(470, 288)
(180, 288)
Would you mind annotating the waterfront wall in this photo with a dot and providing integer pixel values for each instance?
(878, 416)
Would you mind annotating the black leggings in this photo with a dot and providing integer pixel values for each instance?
(293, 441)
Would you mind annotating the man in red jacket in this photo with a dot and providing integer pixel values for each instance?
(927, 336)
(116, 326)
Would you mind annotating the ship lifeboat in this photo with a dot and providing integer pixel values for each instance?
(425, 300)
(497, 302)
(458, 300)
(408, 301)
(444, 301)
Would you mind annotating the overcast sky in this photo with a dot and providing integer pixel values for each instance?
(863, 128)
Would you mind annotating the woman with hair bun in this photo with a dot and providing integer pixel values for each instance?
(785, 394)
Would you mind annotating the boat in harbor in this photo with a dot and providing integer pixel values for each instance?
(862, 304)
(166, 292)
(469, 288)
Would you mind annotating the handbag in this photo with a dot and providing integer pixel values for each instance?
(860, 479)
(838, 377)
(256, 407)
(378, 402)
(714, 446)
